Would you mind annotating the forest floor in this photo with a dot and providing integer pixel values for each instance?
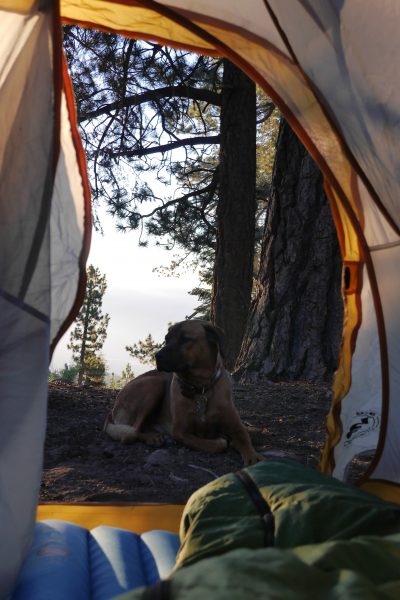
(82, 464)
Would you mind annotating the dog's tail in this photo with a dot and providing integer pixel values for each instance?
(119, 431)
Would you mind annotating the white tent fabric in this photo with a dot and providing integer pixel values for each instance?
(361, 421)
(42, 239)
(387, 262)
(25, 126)
(67, 226)
(332, 68)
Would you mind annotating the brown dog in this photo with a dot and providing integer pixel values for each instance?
(189, 396)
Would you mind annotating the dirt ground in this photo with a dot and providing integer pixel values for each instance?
(82, 464)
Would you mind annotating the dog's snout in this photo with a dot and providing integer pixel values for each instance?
(170, 358)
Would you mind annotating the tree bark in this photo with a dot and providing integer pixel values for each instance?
(233, 268)
(82, 355)
(295, 324)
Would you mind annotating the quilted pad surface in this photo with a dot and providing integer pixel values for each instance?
(67, 561)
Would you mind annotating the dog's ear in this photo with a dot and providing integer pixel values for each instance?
(215, 335)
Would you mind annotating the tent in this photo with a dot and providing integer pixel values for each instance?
(332, 68)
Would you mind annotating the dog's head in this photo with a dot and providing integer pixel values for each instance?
(190, 345)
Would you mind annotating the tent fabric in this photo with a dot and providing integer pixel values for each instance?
(330, 68)
(67, 561)
(25, 190)
(24, 343)
(361, 425)
(67, 226)
(44, 221)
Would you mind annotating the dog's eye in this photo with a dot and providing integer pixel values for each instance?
(186, 338)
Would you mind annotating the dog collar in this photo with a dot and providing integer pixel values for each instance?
(190, 389)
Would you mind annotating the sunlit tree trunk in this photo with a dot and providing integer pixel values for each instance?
(295, 324)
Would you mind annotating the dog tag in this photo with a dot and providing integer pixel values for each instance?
(201, 406)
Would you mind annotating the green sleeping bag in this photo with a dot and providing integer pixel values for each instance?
(280, 530)
(295, 506)
(363, 569)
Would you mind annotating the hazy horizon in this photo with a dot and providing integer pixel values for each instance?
(138, 300)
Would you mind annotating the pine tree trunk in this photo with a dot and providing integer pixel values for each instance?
(295, 324)
(82, 356)
(233, 269)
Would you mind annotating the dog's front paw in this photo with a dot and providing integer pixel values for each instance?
(155, 439)
(221, 444)
(252, 459)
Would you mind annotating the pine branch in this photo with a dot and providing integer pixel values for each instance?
(171, 91)
(202, 140)
(207, 189)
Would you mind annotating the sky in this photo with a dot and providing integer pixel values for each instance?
(138, 300)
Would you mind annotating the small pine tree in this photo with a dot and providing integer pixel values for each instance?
(113, 383)
(69, 373)
(144, 350)
(203, 292)
(127, 375)
(53, 375)
(95, 370)
(90, 332)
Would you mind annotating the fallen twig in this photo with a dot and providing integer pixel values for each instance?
(177, 479)
(215, 476)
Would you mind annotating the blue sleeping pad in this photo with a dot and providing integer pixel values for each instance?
(68, 562)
